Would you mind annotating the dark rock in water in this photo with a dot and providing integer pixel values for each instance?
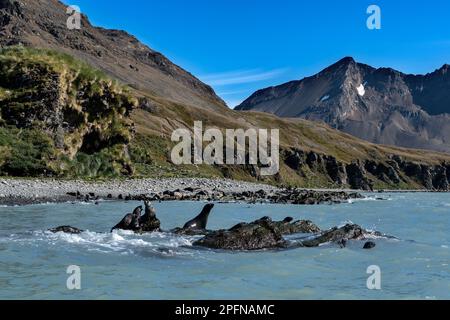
(66, 229)
(287, 227)
(260, 234)
(369, 245)
(337, 235)
(257, 235)
(191, 232)
(149, 222)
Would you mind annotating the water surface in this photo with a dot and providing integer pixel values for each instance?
(122, 265)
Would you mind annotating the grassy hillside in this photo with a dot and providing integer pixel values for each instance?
(60, 117)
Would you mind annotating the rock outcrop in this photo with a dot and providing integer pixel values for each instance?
(337, 235)
(77, 113)
(267, 234)
(362, 174)
(261, 234)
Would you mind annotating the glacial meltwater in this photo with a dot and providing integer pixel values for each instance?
(122, 265)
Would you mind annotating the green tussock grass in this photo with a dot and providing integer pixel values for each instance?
(24, 152)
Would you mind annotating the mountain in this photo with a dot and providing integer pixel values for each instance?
(66, 113)
(381, 105)
(43, 24)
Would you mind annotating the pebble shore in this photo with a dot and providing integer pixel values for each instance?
(32, 191)
(24, 192)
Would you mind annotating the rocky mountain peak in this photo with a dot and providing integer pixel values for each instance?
(379, 105)
(444, 69)
(346, 61)
(344, 64)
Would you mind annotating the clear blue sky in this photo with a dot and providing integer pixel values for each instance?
(239, 46)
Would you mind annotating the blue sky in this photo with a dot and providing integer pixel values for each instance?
(239, 46)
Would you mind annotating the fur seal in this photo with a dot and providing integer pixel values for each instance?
(149, 222)
(66, 229)
(130, 221)
(200, 221)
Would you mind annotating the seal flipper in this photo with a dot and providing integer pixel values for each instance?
(200, 222)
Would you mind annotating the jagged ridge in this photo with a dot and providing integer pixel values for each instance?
(379, 105)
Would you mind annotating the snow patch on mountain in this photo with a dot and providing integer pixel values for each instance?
(361, 90)
(324, 98)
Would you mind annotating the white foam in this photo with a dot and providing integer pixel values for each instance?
(370, 198)
(119, 241)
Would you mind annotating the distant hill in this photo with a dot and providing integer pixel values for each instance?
(379, 105)
(43, 24)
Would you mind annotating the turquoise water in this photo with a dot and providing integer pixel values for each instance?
(121, 265)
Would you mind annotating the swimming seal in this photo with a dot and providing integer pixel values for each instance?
(130, 221)
(66, 229)
(200, 221)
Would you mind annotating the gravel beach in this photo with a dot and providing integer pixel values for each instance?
(30, 191)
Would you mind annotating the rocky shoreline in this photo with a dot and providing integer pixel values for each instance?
(35, 191)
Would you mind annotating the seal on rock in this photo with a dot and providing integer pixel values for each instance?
(200, 221)
(149, 222)
(130, 221)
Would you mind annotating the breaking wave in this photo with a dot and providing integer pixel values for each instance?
(119, 241)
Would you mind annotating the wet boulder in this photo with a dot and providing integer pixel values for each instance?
(336, 235)
(289, 226)
(257, 235)
(369, 245)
